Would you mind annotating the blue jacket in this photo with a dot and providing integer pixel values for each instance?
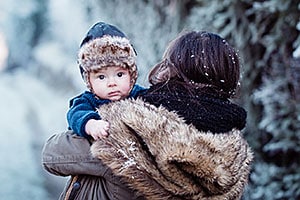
(83, 108)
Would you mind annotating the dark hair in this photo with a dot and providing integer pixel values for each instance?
(201, 59)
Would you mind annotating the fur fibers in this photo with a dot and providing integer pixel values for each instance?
(107, 51)
(161, 157)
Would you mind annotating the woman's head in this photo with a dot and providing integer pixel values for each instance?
(202, 59)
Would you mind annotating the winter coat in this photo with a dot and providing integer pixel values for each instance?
(153, 151)
(156, 153)
(83, 108)
(67, 154)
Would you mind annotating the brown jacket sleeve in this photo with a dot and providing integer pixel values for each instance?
(67, 154)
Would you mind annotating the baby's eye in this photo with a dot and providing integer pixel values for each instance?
(101, 77)
(120, 74)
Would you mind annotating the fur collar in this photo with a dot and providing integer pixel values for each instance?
(161, 157)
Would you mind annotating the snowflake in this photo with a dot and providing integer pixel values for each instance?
(129, 160)
(132, 145)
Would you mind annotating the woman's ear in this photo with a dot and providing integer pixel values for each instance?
(161, 73)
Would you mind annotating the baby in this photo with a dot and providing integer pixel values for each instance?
(107, 63)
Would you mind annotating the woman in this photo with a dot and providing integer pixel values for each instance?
(182, 141)
(198, 73)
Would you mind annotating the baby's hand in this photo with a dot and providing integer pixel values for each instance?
(97, 128)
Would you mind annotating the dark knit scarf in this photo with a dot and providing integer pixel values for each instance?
(201, 107)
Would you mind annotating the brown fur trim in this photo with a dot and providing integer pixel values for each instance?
(161, 157)
(107, 51)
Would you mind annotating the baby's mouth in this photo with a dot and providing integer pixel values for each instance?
(114, 93)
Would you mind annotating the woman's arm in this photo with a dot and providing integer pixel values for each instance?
(67, 154)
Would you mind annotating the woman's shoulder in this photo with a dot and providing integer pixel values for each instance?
(137, 90)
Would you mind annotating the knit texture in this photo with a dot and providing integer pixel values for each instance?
(200, 107)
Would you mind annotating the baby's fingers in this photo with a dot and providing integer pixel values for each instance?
(104, 132)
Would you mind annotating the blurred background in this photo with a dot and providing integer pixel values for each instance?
(39, 40)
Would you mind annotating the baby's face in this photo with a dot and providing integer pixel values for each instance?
(112, 83)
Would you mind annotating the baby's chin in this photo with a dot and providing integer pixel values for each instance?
(114, 99)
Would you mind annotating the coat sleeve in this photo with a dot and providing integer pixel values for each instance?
(81, 110)
(67, 154)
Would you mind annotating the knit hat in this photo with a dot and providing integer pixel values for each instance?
(105, 45)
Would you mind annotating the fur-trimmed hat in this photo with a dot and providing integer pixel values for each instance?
(104, 46)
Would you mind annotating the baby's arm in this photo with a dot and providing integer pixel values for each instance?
(80, 112)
